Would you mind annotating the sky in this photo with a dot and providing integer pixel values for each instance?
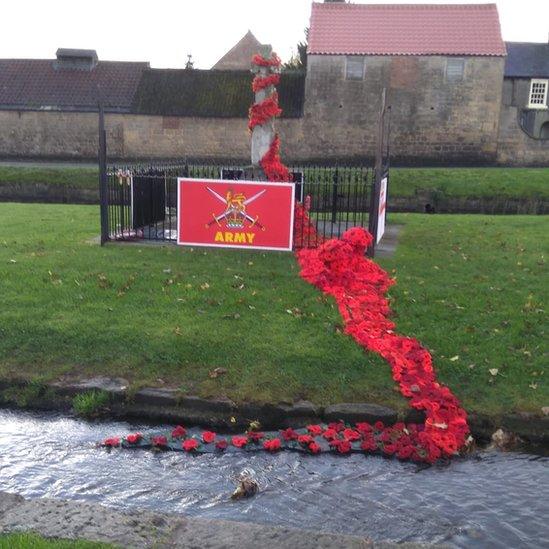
(164, 32)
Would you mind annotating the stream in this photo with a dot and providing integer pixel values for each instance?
(491, 499)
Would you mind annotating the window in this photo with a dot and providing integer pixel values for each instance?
(354, 69)
(538, 94)
(454, 69)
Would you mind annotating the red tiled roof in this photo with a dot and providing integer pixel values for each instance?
(405, 29)
(37, 84)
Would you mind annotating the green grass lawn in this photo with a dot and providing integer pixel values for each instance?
(165, 313)
(472, 182)
(65, 176)
(474, 289)
(471, 288)
(34, 541)
(458, 182)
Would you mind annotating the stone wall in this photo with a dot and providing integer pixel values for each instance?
(515, 146)
(26, 134)
(42, 134)
(161, 136)
(433, 121)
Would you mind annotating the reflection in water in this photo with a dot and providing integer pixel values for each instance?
(492, 499)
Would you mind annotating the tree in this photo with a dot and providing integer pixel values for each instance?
(298, 61)
(190, 63)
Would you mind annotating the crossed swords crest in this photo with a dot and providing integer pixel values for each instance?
(235, 209)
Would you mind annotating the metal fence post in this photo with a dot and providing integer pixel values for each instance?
(387, 163)
(372, 218)
(334, 196)
(103, 194)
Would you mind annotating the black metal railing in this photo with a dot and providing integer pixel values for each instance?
(142, 198)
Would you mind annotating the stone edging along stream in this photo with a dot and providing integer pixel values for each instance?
(163, 405)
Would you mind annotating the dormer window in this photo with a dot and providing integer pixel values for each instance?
(538, 94)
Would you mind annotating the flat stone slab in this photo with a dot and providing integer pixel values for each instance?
(74, 520)
(535, 429)
(116, 386)
(302, 413)
(8, 502)
(157, 396)
(388, 244)
(386, 248)
(353, 413)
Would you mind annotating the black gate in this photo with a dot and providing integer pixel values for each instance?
(148, 196)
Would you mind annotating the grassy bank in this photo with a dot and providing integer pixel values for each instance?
(472, 182)
(474, 290)
(73, 177)
(471, 288)
(525, 183)
(34, 541)
(169, 315)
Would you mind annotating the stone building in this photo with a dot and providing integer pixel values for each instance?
(442, 66)
(456, 96)
(239, 56)
(524, 123)
(48, 108)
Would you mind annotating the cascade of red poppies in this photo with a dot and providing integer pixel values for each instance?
(339, 268)
(305, 233)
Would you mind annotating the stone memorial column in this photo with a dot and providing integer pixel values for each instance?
(264, 134)
(265, 146)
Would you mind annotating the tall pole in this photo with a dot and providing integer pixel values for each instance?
(103, 195)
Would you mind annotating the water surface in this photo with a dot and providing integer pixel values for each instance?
(489, 500)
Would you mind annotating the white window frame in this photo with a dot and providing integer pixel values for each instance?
(349, 58)
(533, 82)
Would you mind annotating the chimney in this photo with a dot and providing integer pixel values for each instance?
(72, 59)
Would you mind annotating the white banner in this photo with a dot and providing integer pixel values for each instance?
(382, 208)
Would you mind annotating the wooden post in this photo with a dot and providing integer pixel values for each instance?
(378, 174)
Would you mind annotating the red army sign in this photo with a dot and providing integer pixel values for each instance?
(235, 214)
